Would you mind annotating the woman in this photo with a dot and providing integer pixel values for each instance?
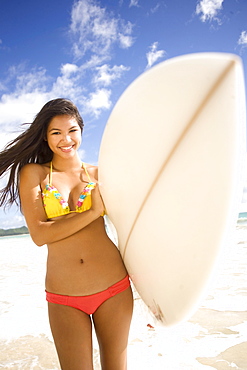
(86, 279)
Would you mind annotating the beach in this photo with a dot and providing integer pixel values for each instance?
(215, 337)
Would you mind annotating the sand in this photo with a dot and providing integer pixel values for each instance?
(215, 337)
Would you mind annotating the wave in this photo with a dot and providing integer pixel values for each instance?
(242, 218)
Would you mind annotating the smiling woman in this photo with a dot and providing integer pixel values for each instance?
(64, 134)
(86, 280)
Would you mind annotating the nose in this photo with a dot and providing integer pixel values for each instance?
(66, 138)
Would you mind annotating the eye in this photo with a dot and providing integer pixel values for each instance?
(73, 130)
(55, 133)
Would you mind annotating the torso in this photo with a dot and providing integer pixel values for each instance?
(86, 262)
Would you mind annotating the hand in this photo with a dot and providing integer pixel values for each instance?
(97, 201)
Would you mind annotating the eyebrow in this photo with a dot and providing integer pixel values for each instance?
(58, 129)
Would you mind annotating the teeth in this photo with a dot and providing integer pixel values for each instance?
(66, 147)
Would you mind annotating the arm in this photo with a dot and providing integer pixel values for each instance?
(42, 230)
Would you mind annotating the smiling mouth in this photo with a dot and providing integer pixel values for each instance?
(66, 148)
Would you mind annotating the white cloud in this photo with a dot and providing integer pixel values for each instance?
(33, 80)
(99, 100)
(125, 41)
(68, 69)
(106, 74)
(31, 90)
(155, 8)
(125, 37)
(82, 153)
(209, 9)
(93, 62)
(16, 220)
(2, 87)
(94, 30)
(154, 54)
(68, 83)
(133, 3)
(5, 138)
(243, 38)
(18, 108)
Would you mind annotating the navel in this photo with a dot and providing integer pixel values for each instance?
(81, 260)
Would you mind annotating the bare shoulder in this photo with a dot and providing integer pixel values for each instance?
(33, 171)
(92, 170)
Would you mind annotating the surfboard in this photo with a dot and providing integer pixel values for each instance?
(169, 169)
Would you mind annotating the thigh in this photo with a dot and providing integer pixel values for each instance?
(112, 322)
(72, 333)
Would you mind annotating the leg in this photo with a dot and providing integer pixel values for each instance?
(112, 321)
(72, 333)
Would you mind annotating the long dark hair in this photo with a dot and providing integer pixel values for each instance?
(31, 146)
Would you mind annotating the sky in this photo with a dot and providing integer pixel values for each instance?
(89, 51)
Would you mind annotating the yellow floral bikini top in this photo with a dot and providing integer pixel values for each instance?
(56, 206)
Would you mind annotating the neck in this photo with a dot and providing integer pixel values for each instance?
(64, 164)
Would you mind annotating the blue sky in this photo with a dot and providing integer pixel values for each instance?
(90, 51)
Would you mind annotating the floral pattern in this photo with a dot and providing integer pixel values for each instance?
(51, 189)
(86, 191)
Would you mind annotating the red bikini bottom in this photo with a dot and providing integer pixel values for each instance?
(89, 303)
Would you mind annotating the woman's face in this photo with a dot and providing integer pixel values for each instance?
(64, 135)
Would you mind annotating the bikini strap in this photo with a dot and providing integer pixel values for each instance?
(85, 168)
(50, 179)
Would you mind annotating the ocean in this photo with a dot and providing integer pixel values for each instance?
(215, 337)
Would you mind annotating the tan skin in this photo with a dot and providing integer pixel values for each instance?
(82, 260)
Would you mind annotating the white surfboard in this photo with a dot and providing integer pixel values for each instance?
(169, 172)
